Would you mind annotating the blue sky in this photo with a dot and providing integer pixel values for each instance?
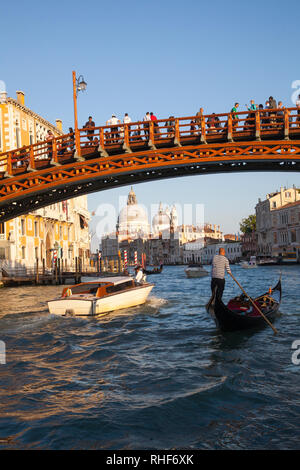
(169, 57)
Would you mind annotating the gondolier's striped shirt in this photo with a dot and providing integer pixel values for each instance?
(219, 264)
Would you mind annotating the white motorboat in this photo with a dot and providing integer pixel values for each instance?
(101, 296)
(195, 270)
(249, 264)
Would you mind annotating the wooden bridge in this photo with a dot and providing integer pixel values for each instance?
(83, 162)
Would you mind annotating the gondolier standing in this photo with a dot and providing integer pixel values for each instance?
(219, 264)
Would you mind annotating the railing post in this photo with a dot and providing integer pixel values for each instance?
(54, 159)
(229, 128)
(9, 172)
(77, 154)
(286, 124)
(101, 147)
(177, 133)
(126, 145)
(257, 125)
(31, 158)
(203, 130)
(151, 135)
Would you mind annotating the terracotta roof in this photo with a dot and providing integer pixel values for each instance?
(291, 204)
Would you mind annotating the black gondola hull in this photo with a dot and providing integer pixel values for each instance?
(157, 271)
(228, 320)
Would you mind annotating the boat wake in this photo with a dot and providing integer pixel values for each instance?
(156, 302)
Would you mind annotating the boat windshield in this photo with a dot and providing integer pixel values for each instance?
(119, 287)
(86, 288)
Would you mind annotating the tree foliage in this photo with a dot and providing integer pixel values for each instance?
(248, 224)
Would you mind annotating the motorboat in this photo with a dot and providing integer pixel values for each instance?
(267, 262)
(100, 297)
(195, 270)
(249, 264)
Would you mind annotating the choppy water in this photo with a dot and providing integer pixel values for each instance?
(158, 376)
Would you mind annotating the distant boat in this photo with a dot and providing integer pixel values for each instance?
(156, 270)
(195, 270)
(249, 264)
(267, 262)
(101, 296)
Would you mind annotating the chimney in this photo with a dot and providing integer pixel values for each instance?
(3, 96)
(59, 124)
(20, 97)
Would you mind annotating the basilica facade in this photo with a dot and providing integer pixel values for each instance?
(163, 242)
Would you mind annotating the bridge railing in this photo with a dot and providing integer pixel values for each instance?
(169, 131)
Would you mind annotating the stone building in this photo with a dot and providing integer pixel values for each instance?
(277, 223)
(249, 244)
(63, 227)
(164, 244)
(197, 253)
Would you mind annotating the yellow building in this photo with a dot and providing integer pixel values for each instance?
(62, 226)
(20, 126)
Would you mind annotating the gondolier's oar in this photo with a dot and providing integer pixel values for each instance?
(257, 308)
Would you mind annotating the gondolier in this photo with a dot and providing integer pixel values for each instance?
(219, 264)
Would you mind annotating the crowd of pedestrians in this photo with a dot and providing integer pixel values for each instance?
(271, 116)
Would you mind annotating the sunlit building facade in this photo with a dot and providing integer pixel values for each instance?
(60, 227)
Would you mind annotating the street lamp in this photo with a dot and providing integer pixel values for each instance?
(78, 85)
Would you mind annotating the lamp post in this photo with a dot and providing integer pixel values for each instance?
(78, 85)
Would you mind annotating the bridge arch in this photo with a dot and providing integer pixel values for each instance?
(37, 175)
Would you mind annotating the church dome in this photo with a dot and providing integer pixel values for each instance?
(161, 221)
(133, 219)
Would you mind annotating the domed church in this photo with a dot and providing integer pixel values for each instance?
(164, 220)
(133, 220)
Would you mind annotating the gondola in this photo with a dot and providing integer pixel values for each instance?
(154, 270)
(240, 314)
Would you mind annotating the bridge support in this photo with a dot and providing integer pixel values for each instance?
(102, 152)
(77, 157)
(126, 148)
(151, 145)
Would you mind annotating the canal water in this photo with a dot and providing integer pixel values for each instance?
(160, 376)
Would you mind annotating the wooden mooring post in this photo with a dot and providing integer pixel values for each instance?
(37, 271)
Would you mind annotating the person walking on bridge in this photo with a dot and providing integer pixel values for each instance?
(146, 119)
(113, 122)
(49, 139)
(272, 114)
(235, 117)
(219, 264)
(154, 119)
(89, 125)
(127, 120)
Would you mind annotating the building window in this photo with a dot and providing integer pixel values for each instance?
(2, 253)
(36, 229)
(36, 250)
(23, 252)
(293, 235)
(274, 204)
(22, 226)
(60, 232)
(2, 230)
